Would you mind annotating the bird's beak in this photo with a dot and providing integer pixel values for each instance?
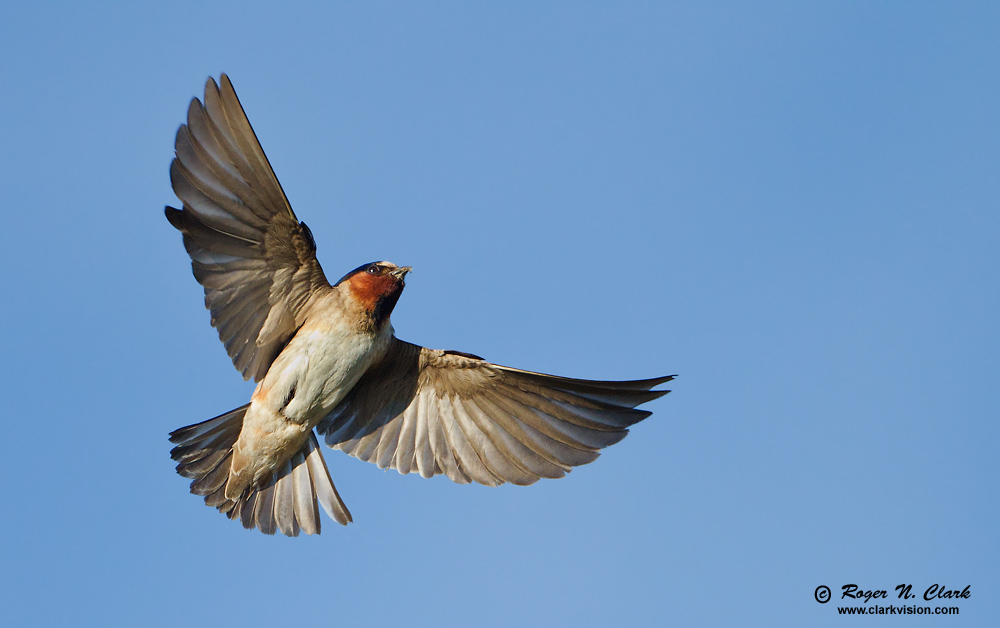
(399, 273)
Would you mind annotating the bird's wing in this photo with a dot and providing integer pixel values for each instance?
(426, 411)
(256, 261)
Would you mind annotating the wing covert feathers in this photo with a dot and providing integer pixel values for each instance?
(288, 503)
(255, 260)
(440, 412)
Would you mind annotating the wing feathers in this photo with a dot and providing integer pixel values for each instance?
(469, 466)
(367, 445)
(407, 437)
(255, 260)
(209, 142)
(521, 448)
(218, 211)
(484, 450)
(545, 436)
(587, 385)
(244, 135)
(422, 453)
(237, 150)
(594, 419)
(437, 412)
(444, 459)
(387, 445)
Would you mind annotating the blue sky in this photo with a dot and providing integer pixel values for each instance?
(794, 206)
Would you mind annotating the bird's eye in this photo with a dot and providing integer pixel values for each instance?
(373, 270)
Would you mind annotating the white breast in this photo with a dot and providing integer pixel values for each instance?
(319, 366)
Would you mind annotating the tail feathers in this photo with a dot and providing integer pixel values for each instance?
(286, 503)
(327, 493)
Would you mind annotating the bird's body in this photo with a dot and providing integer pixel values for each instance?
(325, 358)
(317, 368)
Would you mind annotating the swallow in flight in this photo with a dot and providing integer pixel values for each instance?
(325, 359)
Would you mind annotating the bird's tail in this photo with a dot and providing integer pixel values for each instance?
(286, 503)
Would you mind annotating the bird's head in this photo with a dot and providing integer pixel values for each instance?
(376, 288)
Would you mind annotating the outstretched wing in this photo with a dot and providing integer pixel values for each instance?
(447, 412)
(256, 261)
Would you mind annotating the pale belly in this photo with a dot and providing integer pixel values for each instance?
(306, 381)
(314, 373)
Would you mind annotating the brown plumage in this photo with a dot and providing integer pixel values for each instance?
(325, 357)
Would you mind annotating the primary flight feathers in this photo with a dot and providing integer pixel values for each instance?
(256, 261)
(325, 357)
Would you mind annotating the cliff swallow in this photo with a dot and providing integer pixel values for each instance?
(325, 358)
